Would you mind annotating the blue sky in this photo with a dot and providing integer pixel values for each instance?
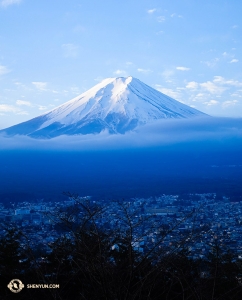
(51, 51)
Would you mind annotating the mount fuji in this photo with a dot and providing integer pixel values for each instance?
(117, 105)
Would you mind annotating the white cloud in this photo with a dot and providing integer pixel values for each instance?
(234, 61)
(161, 19)
(218, 79)
(211, 102)
(176, 15)
(22, 112)
(22, 102)
(212, 88)
(199, 97)
(222, 80)
(99, 78)
(79, 28)
(145, 71)
(229, 103)
(167, 74)
(40, 85)
(211, 63)
(151, 11)
(192, 85)
(6, 3)
(120, 72)
(70, 50)
(8, 108)
(3, 70)
(42, 107)
(75, 90)
(182, 68)
(159, 32)
(168, 92)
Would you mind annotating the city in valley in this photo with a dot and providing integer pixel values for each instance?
(195, 221)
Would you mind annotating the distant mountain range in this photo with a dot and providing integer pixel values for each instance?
(117, 105)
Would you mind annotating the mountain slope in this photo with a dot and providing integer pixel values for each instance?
(116, 104)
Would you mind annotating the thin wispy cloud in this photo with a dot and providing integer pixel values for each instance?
(75, 90)
(6, 3)
(234, 60)
(42, 107)
(169, 92)
(4, 70)
(5, 108)
(192, 85)
(167, 74)
(79, 29)
(23, 103)
(70, 50)
(223, 81)
(229, 103)
(211, 63)
(99, 78)
(211, 103)
(214, 96)
(40, 85)
(120, 72)
(217, 86)
(144, 71)
(151, 11)
(160, 32)
(182, 68)
(199, 97)
(212, 87)
(161, 19)
(176, 15)
(22, 112)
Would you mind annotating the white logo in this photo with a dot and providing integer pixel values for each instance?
(15, 285)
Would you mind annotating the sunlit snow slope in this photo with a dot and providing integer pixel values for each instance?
(116, 104)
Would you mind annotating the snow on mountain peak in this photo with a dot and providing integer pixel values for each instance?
(117, 104)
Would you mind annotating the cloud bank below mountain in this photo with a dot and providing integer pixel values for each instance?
(158, 134)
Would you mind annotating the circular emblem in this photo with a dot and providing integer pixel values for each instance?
(15, 285)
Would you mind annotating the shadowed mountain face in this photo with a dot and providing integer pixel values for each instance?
(117, 105)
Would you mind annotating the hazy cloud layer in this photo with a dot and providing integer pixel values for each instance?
(158, 134)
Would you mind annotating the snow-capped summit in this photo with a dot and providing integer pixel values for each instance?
(116, 104)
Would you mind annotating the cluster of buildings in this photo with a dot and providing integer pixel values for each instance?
(197, 222)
